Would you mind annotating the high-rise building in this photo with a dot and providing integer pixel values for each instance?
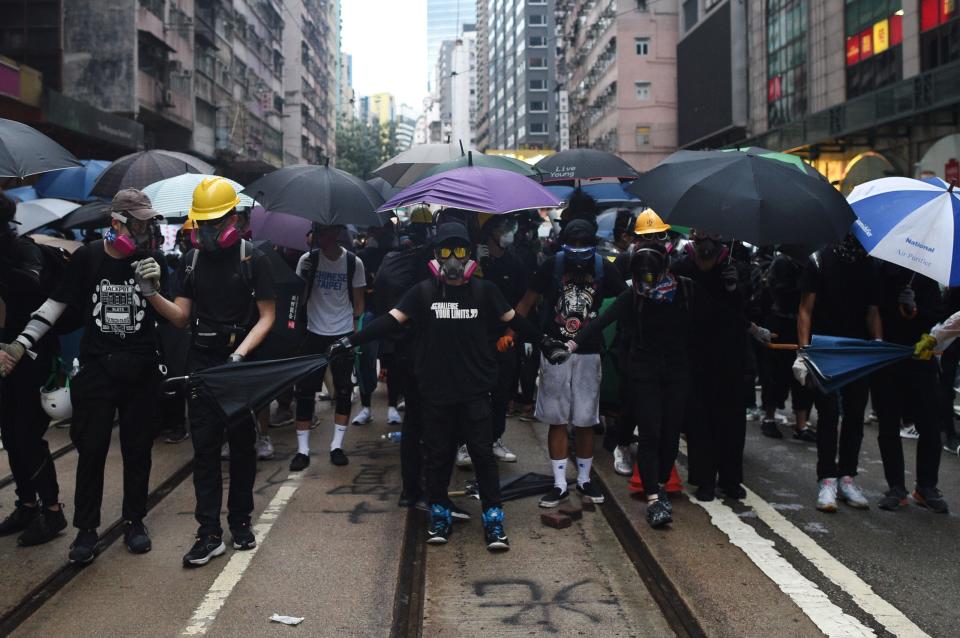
(457, 87)
(616, 67)
(346, 107)
(406, 125)
(860, 88)
(516, 75)
(445, 20)
(383, 108)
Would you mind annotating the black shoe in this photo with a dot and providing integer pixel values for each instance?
(590, 492)
(768, 427)
(337, 457)
(19, 519)
(808, 435)
(658, 515)
(705, 493)
(893, 499)
(422, 504)
(84, 548)
(457, 513)
(440, 525)
(493, 533)
(407, 499)
(44, 528)
(953, 444)
(177, 436)
(206, 547)
(135, 537)
(554, 497)
(931, 498)
(243, 538)
(665, 499)
(736, 492)
(299, 462)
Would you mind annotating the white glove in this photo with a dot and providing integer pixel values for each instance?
(236, 357)
(147, 273)
(528, 349)
(800, 371)
(760, 333)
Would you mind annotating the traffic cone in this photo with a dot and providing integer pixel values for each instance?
(674, 484)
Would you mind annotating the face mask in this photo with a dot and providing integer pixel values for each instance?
(326, 240)
(647, 267)
(453, 268)
(506, 240)
(207, 235)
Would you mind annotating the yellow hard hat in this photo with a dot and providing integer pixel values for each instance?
(421, 215)
(213, 198)
(189, 224)
(483, 218)
(649, 222)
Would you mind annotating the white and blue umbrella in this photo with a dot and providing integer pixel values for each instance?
(173, 196)
(912, 223)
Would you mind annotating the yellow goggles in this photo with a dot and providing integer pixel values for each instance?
(457, 251)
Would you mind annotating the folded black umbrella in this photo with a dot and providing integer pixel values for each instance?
(529, 484)
(26, 151)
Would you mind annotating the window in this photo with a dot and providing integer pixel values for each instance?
(786, 60)
(874, 32)
(537, 63)
(643, 46)
(537, 19)
(689, 14)
(538, 107)
(939, 33)
(521, 131)
(642, 135)
(538, 85)
(538, 128)
(535, 2)
(643, 91)
(537, 41)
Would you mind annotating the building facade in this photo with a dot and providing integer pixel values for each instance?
(860, 88)
(445, 20)
(456, 82)
(616, 70)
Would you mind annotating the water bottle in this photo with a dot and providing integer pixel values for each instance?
(393, 437)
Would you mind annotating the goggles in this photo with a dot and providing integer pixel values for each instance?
(445, 252)
(661, 237)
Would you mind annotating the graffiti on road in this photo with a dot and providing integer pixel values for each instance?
(534, 607)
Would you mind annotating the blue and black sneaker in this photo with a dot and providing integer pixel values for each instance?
(440, 525)
(493, 530)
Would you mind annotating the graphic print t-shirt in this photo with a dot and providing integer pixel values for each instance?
(117, 317)
(458, 327)
(330, 309)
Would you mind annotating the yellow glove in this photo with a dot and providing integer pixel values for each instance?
(923, 349)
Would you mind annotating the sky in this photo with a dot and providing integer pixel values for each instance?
(388, 42)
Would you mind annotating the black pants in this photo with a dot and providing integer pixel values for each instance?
(912, 383)
(341, 369)
(120, 384)
(444, 426)
(715, 424)
(776, 378)
(850, 401)
(658, 405)
(209, 431)
(22, 426)
(508, 369)
(948, 379)
(395, 380)
(411, 451)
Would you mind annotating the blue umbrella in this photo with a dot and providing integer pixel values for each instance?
(605, 194)
(22, 194)
(72, 183)
(836, 361)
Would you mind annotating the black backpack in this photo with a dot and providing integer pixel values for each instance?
(399, 272)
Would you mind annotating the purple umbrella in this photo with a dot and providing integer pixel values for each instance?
(485, 190)
(284, 230)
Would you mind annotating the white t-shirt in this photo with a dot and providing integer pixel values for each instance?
(329, 309)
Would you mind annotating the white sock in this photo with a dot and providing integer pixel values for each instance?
(338, 432)
(559, 474)
(303, 442)
(583, 470)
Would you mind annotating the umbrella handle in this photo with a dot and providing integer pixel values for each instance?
(782, 346)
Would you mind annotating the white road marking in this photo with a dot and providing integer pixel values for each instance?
(206, 612)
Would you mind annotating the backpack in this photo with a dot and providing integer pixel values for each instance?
(399, 272)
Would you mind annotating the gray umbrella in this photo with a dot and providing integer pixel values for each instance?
(410, 165)
(139, 170)
(26, 151)
(383, 187)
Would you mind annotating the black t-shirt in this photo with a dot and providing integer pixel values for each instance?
(457, 326)
(722, 324)
(117, 317)
(21, 266)
(898, 325)
(844, 291)
(575, 301)
(221, 291)
(783, 280)
(508, 274)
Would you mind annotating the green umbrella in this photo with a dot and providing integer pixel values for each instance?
(786, 158)
(487, 161)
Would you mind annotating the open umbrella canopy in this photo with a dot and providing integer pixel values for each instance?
(604, 193)
(88, 216)
(410, 165)
(743, 195)
(26, 151)
(321, 194)
(485, 190)
(910, 222)
(139, 170)
(21, 194)
(836, 361)
(72, 183)
(584, 163)
(41, 212)
(383, 187)
(282, 229)
(172, 197)
(488, 161)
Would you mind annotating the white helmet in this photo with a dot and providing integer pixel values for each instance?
(56, 402)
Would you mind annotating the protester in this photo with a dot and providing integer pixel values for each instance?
(335, 297)
(573, 284)
(114, 281)
(24, 277)
(839, 297)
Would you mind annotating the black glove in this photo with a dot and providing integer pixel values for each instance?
(554, 350)
(729, 277)
(339, 348)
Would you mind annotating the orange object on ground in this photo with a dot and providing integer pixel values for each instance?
(674, 484)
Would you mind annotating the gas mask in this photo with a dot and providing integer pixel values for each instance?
(212, 237)
(144, 235)
(849, 250)
(647, 267)
(453, 263)
(506, 240)
(707, 248)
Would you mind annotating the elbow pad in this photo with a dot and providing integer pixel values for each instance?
(40, 322)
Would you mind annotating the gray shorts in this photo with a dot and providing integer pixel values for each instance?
(569, 393)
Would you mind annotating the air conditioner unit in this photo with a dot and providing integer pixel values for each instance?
(167, 97)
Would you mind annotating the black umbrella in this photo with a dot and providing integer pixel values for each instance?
(92, 215)
(383, 187)
(754, 197)
(583, 163)
(322, 194)
(26, 151)
(139, 170)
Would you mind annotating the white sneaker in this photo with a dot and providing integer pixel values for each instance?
(463, 457)
(623, 461)
(363, 417)
(827, 498)
(852, 494)
(225, 452)
(503, 453)
(264, 448)
(754, 414)
(393, 416)
(909, 431)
